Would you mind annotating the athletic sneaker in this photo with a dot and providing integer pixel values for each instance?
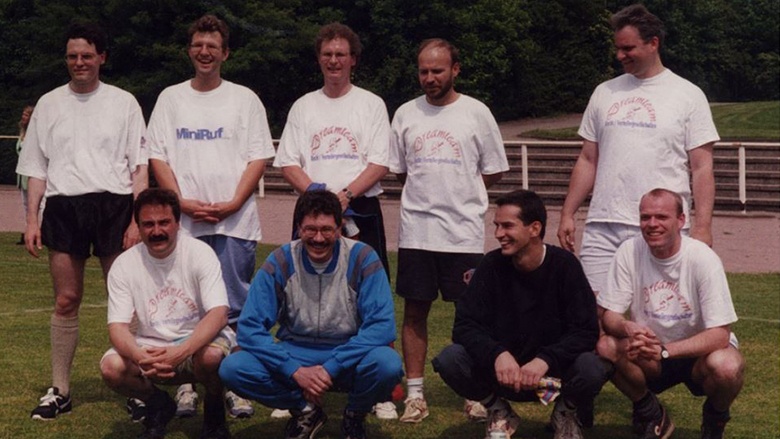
(280, 414)
(565, 422)
(51, 405)
(662, 427)
(136, 409)
(305, 425)
(415, 410)
(186, 401)
(352, 425)
(474, 411)
(160, 409)
(238, 407)
(385, 410)
(502, 420)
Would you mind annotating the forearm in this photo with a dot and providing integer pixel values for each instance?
(366, 179)
(613, 323)
(206, 330)
(491, 179)
(248, 182)
(703, 184)
(164, 175)
(36, 188)
(701, 344)
(123, 341)
(297, 178)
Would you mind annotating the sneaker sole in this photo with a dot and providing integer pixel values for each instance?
(386, 416)
(414, 420)
(241, 415)
(41, 418)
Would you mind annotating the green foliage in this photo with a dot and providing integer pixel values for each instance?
(521, 57)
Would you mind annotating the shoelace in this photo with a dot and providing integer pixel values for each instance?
(50, 398)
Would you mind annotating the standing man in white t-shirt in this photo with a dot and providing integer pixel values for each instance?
(641, 130)
(209, 141)
(339, 137)
(173, 285)
(447, 150)
(84, 152)
(679, 326)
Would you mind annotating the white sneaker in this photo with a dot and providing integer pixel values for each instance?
(415, 410)
(385, 410)
(186, 401)
(238, 407)
(474, 411)
(281, 414)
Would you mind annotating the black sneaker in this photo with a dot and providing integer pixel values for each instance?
(352, 425)
(136, 409)
(662, 427)
(160, 409)
(51, 405)
(305, 425)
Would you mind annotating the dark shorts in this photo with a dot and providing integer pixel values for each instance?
(673, 372)
(71, 224)
(422, 274)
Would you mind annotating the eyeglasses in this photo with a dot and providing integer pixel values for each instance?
(312, 231)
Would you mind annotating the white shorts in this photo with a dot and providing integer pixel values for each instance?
(600, 241)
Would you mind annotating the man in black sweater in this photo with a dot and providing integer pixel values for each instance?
(528, 315)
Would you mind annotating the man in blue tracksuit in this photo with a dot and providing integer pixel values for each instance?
(331, 299)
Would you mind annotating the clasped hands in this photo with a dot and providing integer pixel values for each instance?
(211, 213)
(314, 381)
(643, 344)
(161, 363)
(513, 376)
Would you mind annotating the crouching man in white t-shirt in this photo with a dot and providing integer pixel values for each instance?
(174, 285)
(679, 326)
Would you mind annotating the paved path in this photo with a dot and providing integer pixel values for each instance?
(747, 243)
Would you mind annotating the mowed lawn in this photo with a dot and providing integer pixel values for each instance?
(25, 308)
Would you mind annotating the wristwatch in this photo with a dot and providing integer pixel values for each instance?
(664, 353)
(348, 194)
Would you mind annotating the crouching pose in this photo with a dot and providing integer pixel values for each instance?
(679, 329)
(526, 327)
(331, 299)
(174, 285)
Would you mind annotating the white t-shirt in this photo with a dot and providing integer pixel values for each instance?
(644, 129)
(84, 143)
(208, 138)
(677, 297)
(445, 151)
(170, 295)
(334, 140)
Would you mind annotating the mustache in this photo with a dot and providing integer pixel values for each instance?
(158, 238)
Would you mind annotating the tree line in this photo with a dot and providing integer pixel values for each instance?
(521, 57)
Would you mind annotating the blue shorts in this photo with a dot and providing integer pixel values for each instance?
(237, 260)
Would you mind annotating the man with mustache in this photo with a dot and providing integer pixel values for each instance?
(338, 137)
(173, 284)
(209, 141)
(331, 300)
(446, 150)
(679, 330)
(84, 150)
(527, 316)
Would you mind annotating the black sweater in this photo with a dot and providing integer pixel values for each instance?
(548, 313)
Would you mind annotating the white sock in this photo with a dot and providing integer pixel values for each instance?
(414, 388)
(308, 408)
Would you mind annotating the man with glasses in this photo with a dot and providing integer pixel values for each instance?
(209, 141)
(331, 300)
(84, 151)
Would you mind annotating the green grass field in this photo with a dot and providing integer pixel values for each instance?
(750, 121)
(26, 303)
